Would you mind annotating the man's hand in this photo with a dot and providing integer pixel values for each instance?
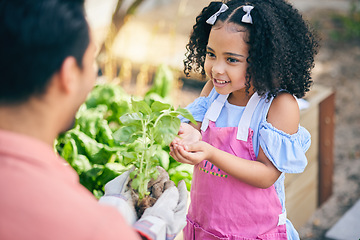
(167, 217)
(117, 194)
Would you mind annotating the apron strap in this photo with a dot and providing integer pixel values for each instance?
(282, 218)
(244, 123)
(214, 111)
(243, 128)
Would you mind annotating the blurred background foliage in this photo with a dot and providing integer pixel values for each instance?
(347, 27)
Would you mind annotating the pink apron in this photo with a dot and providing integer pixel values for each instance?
(223, 207)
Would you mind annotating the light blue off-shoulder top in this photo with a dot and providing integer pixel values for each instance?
(285, 151)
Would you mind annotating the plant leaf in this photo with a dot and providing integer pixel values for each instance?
(129, 157)
(157, 106)
(163, 158)
(154, 174)
(131, 118)
(104, 133)
(141, 106)
(116, 167)
(81, 164)
(90, 145)
(69, 151)
(124, 134)
(166, 130)
(102, 156)
(186, 114)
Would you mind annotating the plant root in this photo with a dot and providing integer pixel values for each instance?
(156, 187)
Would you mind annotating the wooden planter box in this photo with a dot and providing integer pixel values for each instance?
(308, 190)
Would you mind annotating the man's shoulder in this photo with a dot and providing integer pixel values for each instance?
(44, 202)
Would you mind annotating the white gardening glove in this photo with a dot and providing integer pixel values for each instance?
(167, 217)
(118, 195)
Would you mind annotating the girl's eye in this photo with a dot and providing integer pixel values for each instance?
(232, 60)
(210, 54)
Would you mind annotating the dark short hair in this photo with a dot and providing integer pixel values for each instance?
(281, 43)
(35, 38)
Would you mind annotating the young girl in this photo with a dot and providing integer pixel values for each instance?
(258, 56)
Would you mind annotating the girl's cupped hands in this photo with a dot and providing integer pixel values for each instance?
(188, 147)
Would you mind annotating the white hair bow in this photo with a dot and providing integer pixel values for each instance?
(213, 18)
(247, 17)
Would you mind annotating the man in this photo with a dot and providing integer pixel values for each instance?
(47, 69)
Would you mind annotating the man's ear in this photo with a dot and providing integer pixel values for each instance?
(68, 74)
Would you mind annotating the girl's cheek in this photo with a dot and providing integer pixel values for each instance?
(207, 68)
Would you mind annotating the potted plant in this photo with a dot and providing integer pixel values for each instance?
(146, 129)
(114, 133)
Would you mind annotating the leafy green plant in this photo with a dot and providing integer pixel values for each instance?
(107, 136)
(90, 147)
(146, 129)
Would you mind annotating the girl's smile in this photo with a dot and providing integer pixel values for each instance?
(220, 82)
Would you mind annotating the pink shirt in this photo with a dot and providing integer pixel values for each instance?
(41, 197)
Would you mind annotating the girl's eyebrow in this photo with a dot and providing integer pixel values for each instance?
(227, 53)
(234, 54)
(209, 48)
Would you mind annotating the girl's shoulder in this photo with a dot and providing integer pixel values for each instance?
(281, 137)
(280, 103)
(283, 113)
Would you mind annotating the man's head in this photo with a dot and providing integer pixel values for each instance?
(47, 61)
(36, 36)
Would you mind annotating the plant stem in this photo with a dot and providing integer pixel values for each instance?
(158, 119)
(143, 151)
(143, 186)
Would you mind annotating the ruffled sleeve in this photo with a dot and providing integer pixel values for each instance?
(199, 106)
(285, 151)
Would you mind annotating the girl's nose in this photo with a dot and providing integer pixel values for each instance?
(218, 68)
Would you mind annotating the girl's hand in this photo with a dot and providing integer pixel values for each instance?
(191, 154)
(187, 135)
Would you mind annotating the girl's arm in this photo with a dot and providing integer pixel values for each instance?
(207, 89)
(261, 174)
(283, 114)
(189, 133)
(204, 93)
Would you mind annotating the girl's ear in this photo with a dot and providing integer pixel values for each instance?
(68, 75)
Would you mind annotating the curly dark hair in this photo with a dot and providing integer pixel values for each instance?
(281, 43)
